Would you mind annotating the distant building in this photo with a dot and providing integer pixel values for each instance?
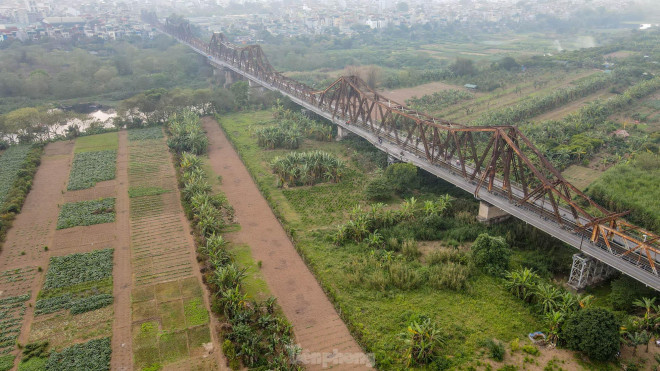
(470, 86)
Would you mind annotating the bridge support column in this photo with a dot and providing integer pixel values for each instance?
(489, 214)
(229, 78)
(587, 271)
(341, 133)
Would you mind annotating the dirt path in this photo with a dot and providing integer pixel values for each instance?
(122, 353)
(316, 325)
(34, 228)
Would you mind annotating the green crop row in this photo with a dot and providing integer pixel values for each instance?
(14, 188)
(11, 163)
(93, 355)
(66, 301)
(90, 168)
(154, 132)
(85, 213)
(74, 269)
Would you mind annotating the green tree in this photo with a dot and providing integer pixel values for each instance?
(594, 331)
(491, 253)
(240, 90)
(378, 189)
(463, 67)
(402, 176)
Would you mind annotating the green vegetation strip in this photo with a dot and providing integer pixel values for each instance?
(154, 132)
(78, 282)
(17, 169)
(12, 310)
(11, 162)
(91, 356)
(146, 191)
(85, 213)
(78, 268)
(101, 142)
(90, 168)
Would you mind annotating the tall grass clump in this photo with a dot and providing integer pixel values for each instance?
(307, 168)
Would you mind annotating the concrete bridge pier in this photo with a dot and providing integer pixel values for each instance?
(341, 133)
(230, 78)
(254, 86)
(489, 214)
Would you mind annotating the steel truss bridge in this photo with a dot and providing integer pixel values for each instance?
(498, 164)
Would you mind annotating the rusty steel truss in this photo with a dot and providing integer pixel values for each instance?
(499, 159)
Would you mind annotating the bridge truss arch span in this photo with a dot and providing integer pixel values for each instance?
(499, 164)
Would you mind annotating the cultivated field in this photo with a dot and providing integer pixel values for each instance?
(170, 320)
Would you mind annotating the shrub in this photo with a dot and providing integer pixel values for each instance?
(402, 176)
(530, 349)
(492, 253)
(594, 331)
(307, 168)
(625, 291)
(403, 277)
(451, 276)
(495, 349)
(378, 189)
(410, 249)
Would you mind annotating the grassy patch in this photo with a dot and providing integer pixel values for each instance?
(154, 132)
(168, 291)
(146, 191)
(171, 315)
(173, 346)
(90, 168)
(580, 176)
(190, 288)
(254, 284)
(195, 312)
(143, 293)
(144, 310)
(101, 142)
(85, 213)
(631, 187)
(198, 336)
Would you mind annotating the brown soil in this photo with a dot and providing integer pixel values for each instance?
(400, 95)
(34, 228)
(316, 324)
(122, 353)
